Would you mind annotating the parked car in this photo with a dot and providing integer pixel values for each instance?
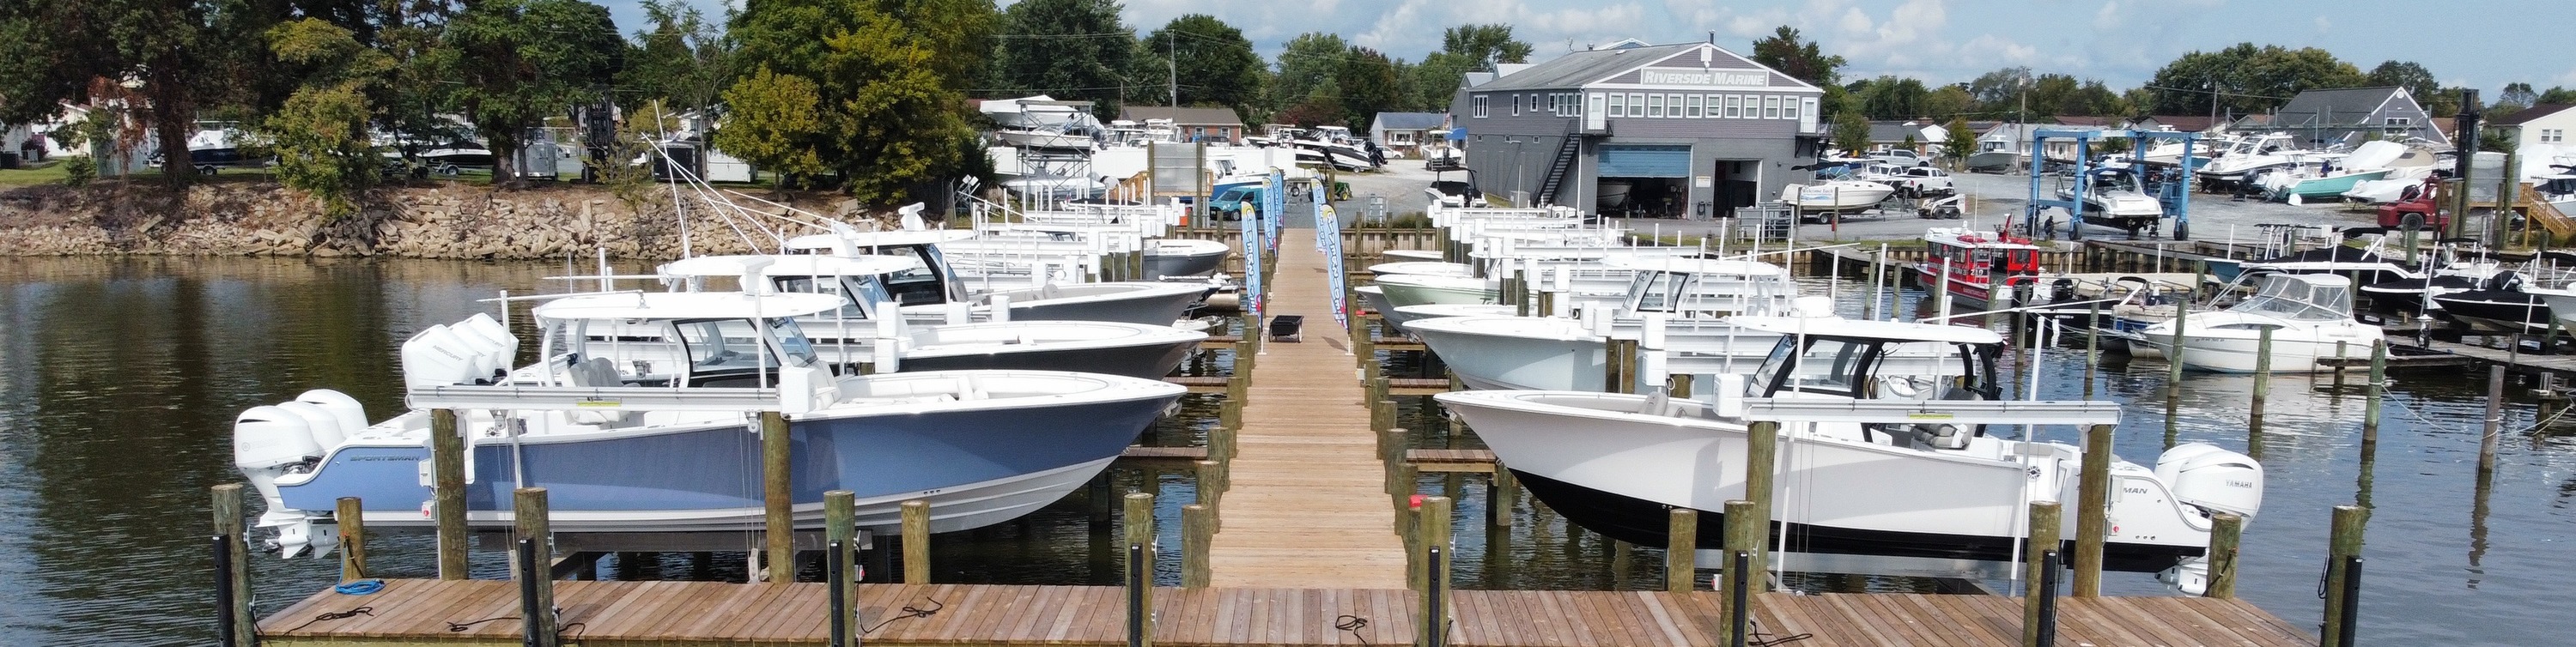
(210, 160)
(1920, 181)
(1901, 157)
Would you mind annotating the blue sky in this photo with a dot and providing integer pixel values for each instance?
(2478, 43)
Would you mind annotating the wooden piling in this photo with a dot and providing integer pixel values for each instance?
(353, 538)
(2173, 354)
(447, 492)
(1761, 454)
(777, 505)
(2492, 430)
(2092, 347)
(1681, 550)
(1745, 533)
(2047, 520)
(1197, 529)
(1402, 483)
(2092, 514)
(1139, 522)
(2344, 541)
(2262, 382)
(1431, 530)
(916, 542)
(1211, 482)
(1139, 567)
(529, 516)
(229, 525)
(2374, 392)
(2225, 531)
(1221, 441)
(841, 526)
(2342, 350)
(1502, 494)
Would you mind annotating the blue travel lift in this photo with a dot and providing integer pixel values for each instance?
(2175, 195)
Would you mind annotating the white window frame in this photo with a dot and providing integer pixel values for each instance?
(1789, 108)
(1734, 106)
(1618, 105)
(1696, 105)
(1770, 106)
(1654, 106)
(1479, 104)
(1636, 105)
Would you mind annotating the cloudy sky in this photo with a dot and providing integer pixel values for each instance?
(2477, 43)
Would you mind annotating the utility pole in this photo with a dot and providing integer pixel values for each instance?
(1172, 65)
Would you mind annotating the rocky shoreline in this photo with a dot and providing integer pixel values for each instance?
(442, 221)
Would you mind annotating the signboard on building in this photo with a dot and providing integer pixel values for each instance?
(1710, 78)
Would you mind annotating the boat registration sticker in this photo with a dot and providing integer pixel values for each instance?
(599, 403)
(1927, 415)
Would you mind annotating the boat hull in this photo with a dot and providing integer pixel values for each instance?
(976, 467)
(1145, 361)
(1172, 259)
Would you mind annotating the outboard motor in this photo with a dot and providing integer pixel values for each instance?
(2061, 290)
(269, 442)
(2212, 479)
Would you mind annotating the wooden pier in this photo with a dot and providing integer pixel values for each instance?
(691, 614)
(1305, 508)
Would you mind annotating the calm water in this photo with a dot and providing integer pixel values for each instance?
(119, 378)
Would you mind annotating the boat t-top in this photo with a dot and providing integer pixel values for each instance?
(924, 292)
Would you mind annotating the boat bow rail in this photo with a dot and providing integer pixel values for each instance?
(583, 398)
(1977, 412)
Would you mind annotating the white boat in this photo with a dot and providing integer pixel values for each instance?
(2112, 199)
(658, 434)
(926, 292)
(1432, 268)
(858, 332)
(1417, 289)
(1183, 257)
(2244, 157)
(1688, 299)
(1835, 196)
(1906, 485)
(2310, 316)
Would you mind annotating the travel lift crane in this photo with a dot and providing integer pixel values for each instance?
(2174, 195)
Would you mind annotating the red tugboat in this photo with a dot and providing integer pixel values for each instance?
(1974, 262)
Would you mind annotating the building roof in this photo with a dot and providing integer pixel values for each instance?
(2081, 120)
(2518, 117)
(2185, 123)
(1411, 120)
(1577, 68)
(1895, 131)
(1183, 116)
(2337, 107)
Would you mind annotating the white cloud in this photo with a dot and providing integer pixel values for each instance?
(2324, 25)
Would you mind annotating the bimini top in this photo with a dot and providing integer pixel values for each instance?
(688, 305)
(865, 239)
(1709, 266)
(1857, 328)
(790, 265)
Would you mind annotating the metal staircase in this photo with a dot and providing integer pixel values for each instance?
(1557, 169)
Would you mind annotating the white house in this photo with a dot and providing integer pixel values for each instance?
(2539, 136)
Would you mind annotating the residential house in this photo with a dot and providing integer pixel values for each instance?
(1686, 129)
(2349, 116)
(2176, 123)
(2539, 136)
(1194, 124)
(1405, 130)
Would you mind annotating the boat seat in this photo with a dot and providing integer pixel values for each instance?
(597, 372)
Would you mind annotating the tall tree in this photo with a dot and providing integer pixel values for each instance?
(1463, 49)
(2517, 94)
(845, 87)
(2001, 90)
(1069, 49)
(1959, 142)
(1308, 65)
(1800, 59)
(678, 59)
(1948, 101)
(1889, 97)
(2245, 78)
(1206, 61)
(321, 134)
(1369, 86)
(174, 57)
(517, 62)
(2418, 81)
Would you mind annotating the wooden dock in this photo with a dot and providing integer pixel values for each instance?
(1305, 508)
(689, 614)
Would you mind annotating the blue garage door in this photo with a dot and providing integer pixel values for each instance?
(1645, 161)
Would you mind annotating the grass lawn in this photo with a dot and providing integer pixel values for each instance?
(17, 177)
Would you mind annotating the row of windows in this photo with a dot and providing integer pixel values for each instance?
(2553, 135)
(1651, 105)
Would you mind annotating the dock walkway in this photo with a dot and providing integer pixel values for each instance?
(1306, 508)
(690, 614)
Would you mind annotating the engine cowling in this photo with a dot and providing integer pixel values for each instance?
(2212, 478)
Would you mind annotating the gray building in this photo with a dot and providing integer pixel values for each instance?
(2350, 116)
(1686, 130)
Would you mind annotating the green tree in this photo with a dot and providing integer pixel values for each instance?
(1948, 101)
(1369, 85)
(1801, 60)
(172, 58)
(2245, 78)
(1208, 61)
(2000, 91)
(845, 87)
(1465, 48)
(1889, 97)
(1309, 64)
(517, 62)
(1071, 50)
(678, 59)
(1959, 142)
(321, 134)
(2418, 81)
(1851, 132)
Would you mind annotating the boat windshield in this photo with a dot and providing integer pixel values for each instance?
(1875, 368)
(2289, 297)
(721, 345)
(1656, 291)
(851, 295)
